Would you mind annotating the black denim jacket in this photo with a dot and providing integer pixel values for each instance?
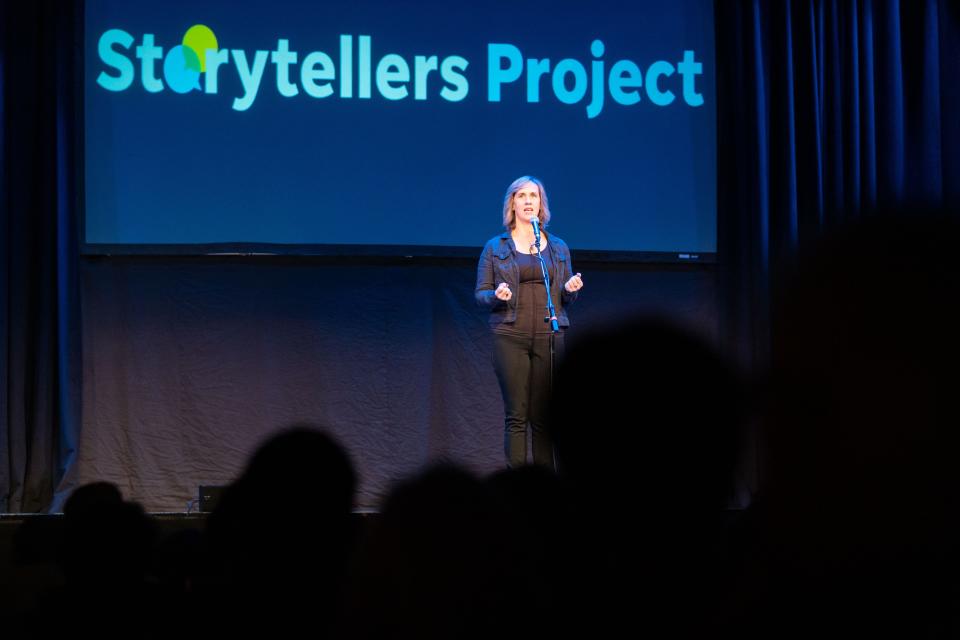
(498, 263)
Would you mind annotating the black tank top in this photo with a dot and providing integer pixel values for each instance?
(531, 297)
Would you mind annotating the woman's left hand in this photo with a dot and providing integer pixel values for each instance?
(573, 284)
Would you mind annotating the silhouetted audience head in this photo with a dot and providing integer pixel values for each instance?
(104, 556)
(298, 468)
(646, 415)
(107, 541)
(281, 534)
(862, 485)
(90, 495)
(532, 495)
(442, 563)
(646, 420)
(863, 430)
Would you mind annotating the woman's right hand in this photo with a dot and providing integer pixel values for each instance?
(503, 292)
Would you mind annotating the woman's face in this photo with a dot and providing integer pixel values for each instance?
(526, 203)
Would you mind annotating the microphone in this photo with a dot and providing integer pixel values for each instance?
(535, 221)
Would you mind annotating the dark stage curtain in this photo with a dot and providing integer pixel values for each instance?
(39, 347)
(828, 110)
(190, 363)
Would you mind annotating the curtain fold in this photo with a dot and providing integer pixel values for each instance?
(40, 314)
(828, 110)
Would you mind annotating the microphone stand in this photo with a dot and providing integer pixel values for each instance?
(551, 317)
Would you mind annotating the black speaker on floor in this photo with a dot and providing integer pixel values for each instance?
(209, 497)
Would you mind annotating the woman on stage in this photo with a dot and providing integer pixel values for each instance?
(510, 283)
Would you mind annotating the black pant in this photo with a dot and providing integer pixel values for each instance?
(522, 364)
